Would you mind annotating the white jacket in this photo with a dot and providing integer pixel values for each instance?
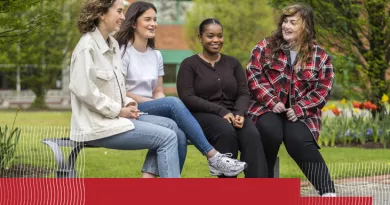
(97, 85)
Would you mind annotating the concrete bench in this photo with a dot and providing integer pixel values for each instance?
(66, 166)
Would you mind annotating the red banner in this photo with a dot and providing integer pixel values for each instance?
(160, 191)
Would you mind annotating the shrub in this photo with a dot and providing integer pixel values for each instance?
(9, 139)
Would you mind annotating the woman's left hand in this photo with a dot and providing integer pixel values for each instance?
(291, 115)
(238, 121)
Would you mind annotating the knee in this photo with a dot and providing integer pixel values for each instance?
(170, 138)
(251, 137)
(175, 102)
(227, 135)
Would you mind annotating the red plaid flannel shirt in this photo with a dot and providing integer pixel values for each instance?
(270, 83)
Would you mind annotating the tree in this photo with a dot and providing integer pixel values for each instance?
(357, 31)
(42, 54)
(11, 24)
(244, 22)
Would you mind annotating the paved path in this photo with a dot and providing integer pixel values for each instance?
(378, 187)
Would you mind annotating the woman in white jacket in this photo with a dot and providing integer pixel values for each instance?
(102, 114)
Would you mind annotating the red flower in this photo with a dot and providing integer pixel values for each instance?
(356, 104)
(374, 107)
(367, 105)
(336, 111)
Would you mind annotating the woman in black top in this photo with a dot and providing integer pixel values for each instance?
(214, 88)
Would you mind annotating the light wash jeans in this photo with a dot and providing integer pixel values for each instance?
(173, 107)
(162, 158)
(181, 139)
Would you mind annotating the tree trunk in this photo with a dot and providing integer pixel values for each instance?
(39, 102)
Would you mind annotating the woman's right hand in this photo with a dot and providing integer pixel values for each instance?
(229, 117)
(279, 108)
(130, 111)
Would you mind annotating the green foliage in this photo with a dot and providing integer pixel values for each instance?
(13, 27)
(355, 126)
(244, 24)
(359, 32)
(9, 139)
(45, 51)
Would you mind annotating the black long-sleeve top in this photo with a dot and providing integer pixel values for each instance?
(218, 90)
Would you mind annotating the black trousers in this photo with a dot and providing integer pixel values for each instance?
(227, 139)
(299, 142)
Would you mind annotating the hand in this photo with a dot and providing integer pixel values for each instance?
(291, 115)
(279, 108)
(129, 111)
(229, 117)
(239, 121)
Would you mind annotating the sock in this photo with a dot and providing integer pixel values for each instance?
(329, 195)
(213, 159)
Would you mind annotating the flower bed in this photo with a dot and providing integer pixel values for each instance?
(354, 125)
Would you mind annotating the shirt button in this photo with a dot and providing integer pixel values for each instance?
(219, 79)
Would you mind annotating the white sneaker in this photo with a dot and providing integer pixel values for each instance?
(225, 165)
(329, 195)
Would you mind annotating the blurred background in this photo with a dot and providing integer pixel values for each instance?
(37, 38)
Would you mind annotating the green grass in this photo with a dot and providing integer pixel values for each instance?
(100, 162)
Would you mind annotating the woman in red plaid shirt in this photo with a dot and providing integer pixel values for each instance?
(290, 78)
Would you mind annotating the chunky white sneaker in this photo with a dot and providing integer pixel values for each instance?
(225, 165)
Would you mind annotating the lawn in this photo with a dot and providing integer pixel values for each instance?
(100, 162)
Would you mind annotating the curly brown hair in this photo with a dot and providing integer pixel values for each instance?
(90, 12)
(305, 44)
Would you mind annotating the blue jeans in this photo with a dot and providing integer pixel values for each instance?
(162, 158)
(173, 107)
(181, 138)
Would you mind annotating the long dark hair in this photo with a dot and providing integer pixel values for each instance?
(126, 32)
(305, 44)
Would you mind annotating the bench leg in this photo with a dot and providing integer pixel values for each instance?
(277, 168)
(65, 169)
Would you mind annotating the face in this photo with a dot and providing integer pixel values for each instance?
(113, 19)
(292, 28)
(146, 24)
(212, 38)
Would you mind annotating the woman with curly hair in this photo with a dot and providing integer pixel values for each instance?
(102, 114)
(290, 78)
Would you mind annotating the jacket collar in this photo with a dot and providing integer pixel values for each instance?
(101, 42)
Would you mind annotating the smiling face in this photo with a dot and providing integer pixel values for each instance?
(212, 38)
(146, 24)
(113, 19)
(292, 28)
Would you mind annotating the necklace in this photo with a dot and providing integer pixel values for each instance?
(212, 63)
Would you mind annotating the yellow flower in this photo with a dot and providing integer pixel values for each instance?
(385, 98)
(324, 109)
(343, 101)
(355, 110)
(332, 106)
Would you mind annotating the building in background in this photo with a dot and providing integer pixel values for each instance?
(170, 40)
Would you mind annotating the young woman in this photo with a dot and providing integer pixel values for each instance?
(290, 78)
(144, 83)
(214, 88)
(102, 114)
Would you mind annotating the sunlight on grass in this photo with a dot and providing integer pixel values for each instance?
(100, 162)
